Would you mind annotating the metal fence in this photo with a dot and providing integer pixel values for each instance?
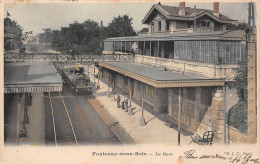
(63, 58)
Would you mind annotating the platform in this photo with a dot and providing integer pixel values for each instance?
(31, 77)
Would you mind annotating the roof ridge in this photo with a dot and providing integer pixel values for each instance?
(188, 7)
(159, 6)
(191, 9)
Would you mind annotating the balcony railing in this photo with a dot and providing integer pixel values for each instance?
(207, 70)
(187, 30)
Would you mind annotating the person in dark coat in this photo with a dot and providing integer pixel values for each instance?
(118, 101)
(123, 105)
(126, 104)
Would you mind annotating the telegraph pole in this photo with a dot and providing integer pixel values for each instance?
(251, 75)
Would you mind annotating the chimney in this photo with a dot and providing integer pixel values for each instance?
(216, 9)
(182, 8)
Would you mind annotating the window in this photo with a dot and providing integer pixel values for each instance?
(190, 109)
(204, 24)
(159, 26)
(175, 105)
(152, 27)
(126, 81)
(149, 91)
(167, 25)
(190, 93)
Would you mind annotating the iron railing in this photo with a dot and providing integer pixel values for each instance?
(63, 58)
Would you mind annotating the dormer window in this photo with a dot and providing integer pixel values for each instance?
(204, 24)
(167, 25)
(152, 27)
(159, 26)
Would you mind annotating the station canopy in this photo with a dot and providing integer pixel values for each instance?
(213, 35)
(31, 77)
(159, 77)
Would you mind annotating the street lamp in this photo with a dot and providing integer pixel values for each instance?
(98, 86)
(179, 119)
(142, 120)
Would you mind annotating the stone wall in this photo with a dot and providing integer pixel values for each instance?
(217, 110)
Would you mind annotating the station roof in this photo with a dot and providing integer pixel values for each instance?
(214, 35)
(172, 13)
(31, 77)
(159, 78)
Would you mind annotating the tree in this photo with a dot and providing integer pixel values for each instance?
(240, 26)
(86, 37)
(237, 115)
(12, 34)
(12, 27)
(83, 38)
(46, 36)
(121, 26)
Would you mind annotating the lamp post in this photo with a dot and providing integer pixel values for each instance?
(18, 118)
(179, 119)
(98, 86)
(130, 97)
(142, 120)
(88, 68)
(24, 130)
(94, 75)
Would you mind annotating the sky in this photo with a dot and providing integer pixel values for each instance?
(35, 17)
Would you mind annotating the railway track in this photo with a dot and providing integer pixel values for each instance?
(63, 129)
(71, 120)
(94, 129)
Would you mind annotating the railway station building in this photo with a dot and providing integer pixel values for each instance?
(188, 54)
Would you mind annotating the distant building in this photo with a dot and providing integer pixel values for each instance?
(32, 39)
(188, 51)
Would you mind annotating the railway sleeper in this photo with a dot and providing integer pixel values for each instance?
(64, 132)
(64, 137)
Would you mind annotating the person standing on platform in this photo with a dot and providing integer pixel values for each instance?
(126, 104)
(118, 100)
(123, 103)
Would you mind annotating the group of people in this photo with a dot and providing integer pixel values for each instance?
(124, 103)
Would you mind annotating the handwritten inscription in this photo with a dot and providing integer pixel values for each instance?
(231, 158)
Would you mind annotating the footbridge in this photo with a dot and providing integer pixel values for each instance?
(63, 58)
(35, 72)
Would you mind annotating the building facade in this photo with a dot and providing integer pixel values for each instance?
(169, 19)
(185, 58)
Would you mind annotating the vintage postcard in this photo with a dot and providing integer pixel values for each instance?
(129, 82)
